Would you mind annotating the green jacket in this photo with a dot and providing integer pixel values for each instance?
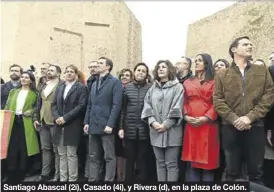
(30, 132)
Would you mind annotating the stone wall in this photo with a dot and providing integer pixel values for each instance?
(69, 33)
(214, 34)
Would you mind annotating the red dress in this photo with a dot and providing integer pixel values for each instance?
(200, 144)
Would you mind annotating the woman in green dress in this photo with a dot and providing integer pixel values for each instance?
(23, 141)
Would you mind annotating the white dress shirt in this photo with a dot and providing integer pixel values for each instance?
(20, 102)
(68, 87)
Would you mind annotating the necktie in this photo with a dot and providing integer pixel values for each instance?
(99, 82)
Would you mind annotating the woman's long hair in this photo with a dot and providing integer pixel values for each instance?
(209, 70)
(32, 85)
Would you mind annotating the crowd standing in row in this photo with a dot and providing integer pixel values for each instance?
(198, 127)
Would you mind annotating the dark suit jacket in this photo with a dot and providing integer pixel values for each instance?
(72, 109)
(104, 105)
(5, 89)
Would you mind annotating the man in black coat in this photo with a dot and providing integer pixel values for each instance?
(104, 106)
(93, 74)
(84, 143)
(68, 111)
(15, 74)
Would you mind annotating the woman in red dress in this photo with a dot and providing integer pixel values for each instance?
(201, 138)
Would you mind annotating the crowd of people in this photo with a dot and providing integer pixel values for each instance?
(215, 124)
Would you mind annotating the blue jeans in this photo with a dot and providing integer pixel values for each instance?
(196, 175)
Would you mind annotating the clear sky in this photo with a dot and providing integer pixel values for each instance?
(164, 25)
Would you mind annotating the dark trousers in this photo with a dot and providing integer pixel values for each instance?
(17, 157)
(269, 173)
(35, 162)
(182, 167)
(218, 173)
(197, 175)
(135, 152)
(240, 144)
(82, 154)
(151, 164)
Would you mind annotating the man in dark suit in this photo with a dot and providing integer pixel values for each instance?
(104, 106)
(15, 74)
(68, 111)
(84, 143)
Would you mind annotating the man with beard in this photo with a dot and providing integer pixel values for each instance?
(84, 142)
(271, 59)
(43, 79)
(183, 72)
(183, 69)
(93, 73)
(15, 74)
(43, 123)
(35, 162)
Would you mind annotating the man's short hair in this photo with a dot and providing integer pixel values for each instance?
(73, 67)
(188, 60)
(58, 69)
(235, 43)
(108, 62)
(16, 65)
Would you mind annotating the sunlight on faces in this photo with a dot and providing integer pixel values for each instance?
(140, 73)
(15, 73)
(25, 79)
(70, 75)
(125, 77)
(244, 48)
(162, 70)
(199, 64)
(220, 65)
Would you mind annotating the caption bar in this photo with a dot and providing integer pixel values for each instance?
(123, 187)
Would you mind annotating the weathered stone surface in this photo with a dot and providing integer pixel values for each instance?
(69, 33)
(214, 34)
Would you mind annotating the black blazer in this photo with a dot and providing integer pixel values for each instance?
(72, 108)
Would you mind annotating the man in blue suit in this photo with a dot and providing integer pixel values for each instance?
(102, 114)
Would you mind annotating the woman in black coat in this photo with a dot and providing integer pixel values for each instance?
(133, 130)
